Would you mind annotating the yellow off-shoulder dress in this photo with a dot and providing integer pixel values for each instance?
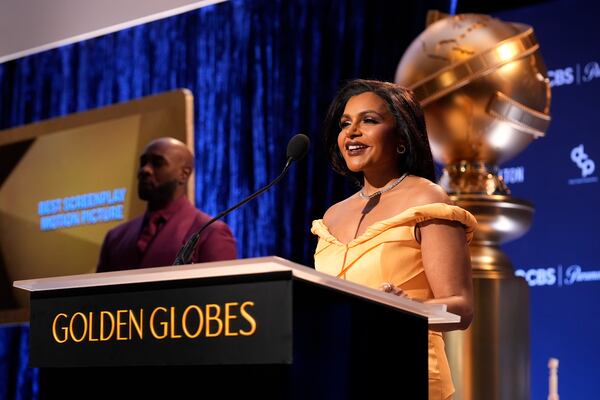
(388, 252)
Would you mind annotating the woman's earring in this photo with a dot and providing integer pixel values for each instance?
(401, 149)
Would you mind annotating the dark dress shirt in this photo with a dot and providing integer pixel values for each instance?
(180, 220)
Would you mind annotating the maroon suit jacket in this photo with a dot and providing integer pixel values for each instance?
(119, 250)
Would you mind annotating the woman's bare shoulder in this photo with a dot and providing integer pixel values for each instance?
(422, 191)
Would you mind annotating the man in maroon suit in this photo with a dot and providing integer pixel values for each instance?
(154, 238)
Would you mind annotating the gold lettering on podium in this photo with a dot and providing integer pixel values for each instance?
(103, 315)
(213, 317)
(121, 323)
(173, 334)
(72, 330)
(184, 323)
(248, 318)
(228, 317)
(136, 323)
(65, 330)
(164, 323)
(91, 337)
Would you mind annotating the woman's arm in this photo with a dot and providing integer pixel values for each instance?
(448, 269)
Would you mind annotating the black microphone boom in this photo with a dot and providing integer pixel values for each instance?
(296, 150)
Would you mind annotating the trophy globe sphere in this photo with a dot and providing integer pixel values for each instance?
(483, 87)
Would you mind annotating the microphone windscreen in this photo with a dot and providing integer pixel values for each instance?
(298, 147)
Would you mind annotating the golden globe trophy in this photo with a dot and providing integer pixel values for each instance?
(485, 93)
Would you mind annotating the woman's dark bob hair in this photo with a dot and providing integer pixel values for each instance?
(410, 127)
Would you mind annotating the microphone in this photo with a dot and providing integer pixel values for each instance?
(296, 150)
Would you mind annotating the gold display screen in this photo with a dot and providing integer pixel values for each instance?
(65, 182)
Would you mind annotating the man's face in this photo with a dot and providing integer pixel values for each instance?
(160, 173)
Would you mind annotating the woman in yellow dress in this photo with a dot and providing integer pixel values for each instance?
(399, 232)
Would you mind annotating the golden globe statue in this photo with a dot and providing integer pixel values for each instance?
(485, 93)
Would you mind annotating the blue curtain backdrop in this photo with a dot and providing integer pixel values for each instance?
(260, 71)
(17, 381)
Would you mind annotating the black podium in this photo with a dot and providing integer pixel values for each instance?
(255, 328)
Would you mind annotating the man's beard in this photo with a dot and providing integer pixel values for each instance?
(159, 195)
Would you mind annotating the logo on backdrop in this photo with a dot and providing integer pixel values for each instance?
(512, 174)
(577, 74)
(558, 276)
(585, 164)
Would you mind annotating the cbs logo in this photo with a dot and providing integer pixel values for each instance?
(560, 77)
(538, 276)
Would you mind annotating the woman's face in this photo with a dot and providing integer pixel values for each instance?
(367, 140)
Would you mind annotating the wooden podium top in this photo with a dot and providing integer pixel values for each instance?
(435, 313)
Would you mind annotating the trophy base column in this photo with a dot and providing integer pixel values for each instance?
(490, 360)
